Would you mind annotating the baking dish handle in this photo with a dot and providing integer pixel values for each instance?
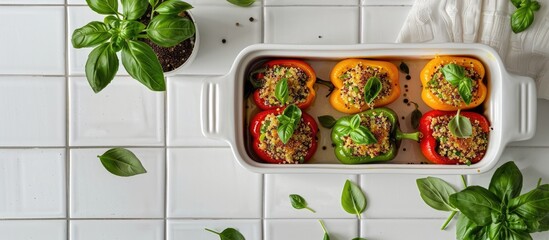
(520, 100)
(216, 107)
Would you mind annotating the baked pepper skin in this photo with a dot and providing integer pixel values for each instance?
(261, 103)
(435, 102)
(345, 156)
(340, 68)
(428, 143)
(255, 130)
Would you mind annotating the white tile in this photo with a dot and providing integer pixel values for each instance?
(117, 229)
(409, 229)
(33, 38)
(43, 2)
(96, 193)
(321, 191)
(124, 113)
(397, 196)
(33, 183)
(541, 138)
(78, 16)
(33, 111)
(532, 162)
(183, 116)
(310, 2)
(299, 229)
(33, 230)
(312, 25)
(381, 24)
(194, 229)
(72, 2)
(212, 179)
(387, 2)
(215, 23)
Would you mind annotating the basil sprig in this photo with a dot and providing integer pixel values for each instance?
(523, 17)
(288, 122)
(228, 234)
(326, 235)
(121, 162)
(372, 89)
(460, 126)
(281, 91)
(353, 200)
(455, 75)
(499, 212)
(298, 202)
(360, 134)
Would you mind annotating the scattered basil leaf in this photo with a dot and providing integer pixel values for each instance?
(453, 73)
(90, 35)
(288, 122)
(242, 3)
(281, 91)
(460, 126)
(173, 7)
(121, 162)
(353, 200)
(327, 121)
(533, 205)
(130, 29)
(298, 202)
(326, 235)
(169, 30)
(228, 234)
(476, 203)
(416, 116)
(436, 192)
(362, 135)
(134, 9)
(506, 182)
(103, 6)
(359, 238)
(101, 66)
(465, 89)
(372, 89)
(403, 67)
(523, 17)
(142, 64)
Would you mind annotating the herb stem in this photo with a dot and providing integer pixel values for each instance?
(323, 226)
(212, 231)
(464, 181)
(328, 84)
(539, 182)
(448, 220)
(310, 209)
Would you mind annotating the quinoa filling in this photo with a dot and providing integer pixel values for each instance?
(448, 93)
(354, 81)
(295, 150)
(297, 85)
(380, 126)
(464, 150)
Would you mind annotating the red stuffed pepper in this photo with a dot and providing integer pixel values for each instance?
(298, 77)
(441, 145)
(284, 136)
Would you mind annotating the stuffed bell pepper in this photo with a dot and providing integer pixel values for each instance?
(284, 136)
(452, 83)
(362, 84)
(281, 82)
(454, 137)
(369, 136)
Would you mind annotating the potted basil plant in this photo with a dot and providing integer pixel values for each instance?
(143, 32)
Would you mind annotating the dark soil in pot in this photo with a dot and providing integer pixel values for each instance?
(172, 57)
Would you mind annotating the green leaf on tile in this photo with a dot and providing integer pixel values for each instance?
(121, 162)
(228, 234)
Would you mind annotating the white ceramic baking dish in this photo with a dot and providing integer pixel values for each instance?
(510, 105)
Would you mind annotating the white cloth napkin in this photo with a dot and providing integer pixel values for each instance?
(487, 22)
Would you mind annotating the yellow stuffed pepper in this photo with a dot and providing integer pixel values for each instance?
(452, 83)
(361, 84)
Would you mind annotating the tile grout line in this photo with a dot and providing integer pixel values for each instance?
(263, 178)
(166, 162)
(67, 122)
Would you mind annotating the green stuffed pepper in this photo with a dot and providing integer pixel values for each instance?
(369, 136)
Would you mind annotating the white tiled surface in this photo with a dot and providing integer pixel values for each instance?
(60, 191)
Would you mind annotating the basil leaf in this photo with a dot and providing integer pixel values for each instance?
(285, 132)
(467, 229)
(355, 121)
(281, 91)
(170, 30)
(228, 234)
(153, 3)
(327, 121)
(362, 135)
(101, 66)
(298, 202)
(436, 192)
(516, 3)
(416, 116)
(465, 89)
(460, 126)
(403, 67)
(477, 203)
(103, 6)
(359, 238)
(92, 34)
(130, 29)
(517, 235)
(111, 21)
(121, 162)
(142, 64)
(293, 113)
(326, 236)
(533, 205)
(515, 222)
(453, 73)
(523, 17)
(173, 7)
(134, 9)
(543, 224)
(372, 89)
(496, 231)
(242, 3)
(353, 200)
(506, 182)
(342, 130)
